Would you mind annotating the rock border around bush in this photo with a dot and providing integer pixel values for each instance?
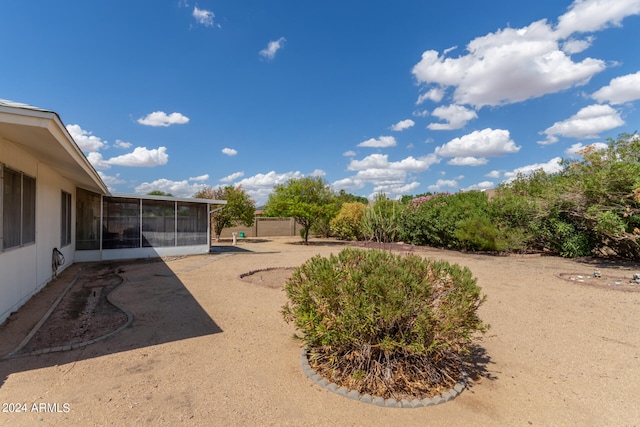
(377, 400)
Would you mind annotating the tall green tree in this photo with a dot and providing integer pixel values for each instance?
(308, 200)
(240, 209)
(344, 197)
(159, 193)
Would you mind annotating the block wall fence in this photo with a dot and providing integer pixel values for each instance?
(263, 227)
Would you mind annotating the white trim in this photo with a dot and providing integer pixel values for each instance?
(137, 253)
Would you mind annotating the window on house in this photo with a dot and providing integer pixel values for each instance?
(87, 220)
(65, 219)
(158, 223)
(121, 223)
(18, 209)
(192, 224)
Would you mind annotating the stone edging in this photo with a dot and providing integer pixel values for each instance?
(75, 346)
(377, 400)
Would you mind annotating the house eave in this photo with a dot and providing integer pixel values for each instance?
(42, 133)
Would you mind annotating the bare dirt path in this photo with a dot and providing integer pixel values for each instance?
(207, 348)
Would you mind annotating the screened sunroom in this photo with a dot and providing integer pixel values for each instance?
(125, 226)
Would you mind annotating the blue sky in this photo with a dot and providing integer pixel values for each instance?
(394, 97)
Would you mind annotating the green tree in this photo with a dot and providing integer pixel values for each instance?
(159, 193)
(308, 200)
(240, 209)
(344, 197)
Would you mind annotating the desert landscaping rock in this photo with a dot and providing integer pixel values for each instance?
(378, 401)
(206, 348)
(353, 394)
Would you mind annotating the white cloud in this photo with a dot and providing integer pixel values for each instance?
(456, 117)
(552, 166)
(423, 113)
(585, 16)
(620, 90)
(141, 156)
(97, 161)
(402, 125)
(382, 176)
(260, 185)
(200, 178)
(578, 146)
(177, 188)
(203, 16)
(111, 180)
(484, 185)
(348, 184)
(443, 183)
(392, 178)
(493, 174)
(232, 177)
(160, 118)
(411, 164)
(122, 144)
(381, 142)
(468, 161)
(434, 94)
(390, 181)
(229, 151)
(85, 140)
(381, 162)
(318, 172)
(586, 123)
(349, 153)
(272, 48)
(394, 191)
(572, 46)
(484, 143)
(508, 66)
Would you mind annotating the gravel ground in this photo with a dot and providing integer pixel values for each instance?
(207, 348)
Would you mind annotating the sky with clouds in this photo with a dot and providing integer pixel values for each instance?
(400, 98)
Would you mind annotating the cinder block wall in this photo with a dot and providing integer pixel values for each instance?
(264, 227)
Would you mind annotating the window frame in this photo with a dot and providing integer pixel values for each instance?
(26, 211)
(65, 218)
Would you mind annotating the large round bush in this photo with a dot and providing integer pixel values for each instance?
(385, 324)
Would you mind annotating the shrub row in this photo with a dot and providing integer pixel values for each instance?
(590, 207)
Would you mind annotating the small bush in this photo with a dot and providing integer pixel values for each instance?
(479, 234)
(381, 220)
(385, 324)
(347, 225)
(433, 220)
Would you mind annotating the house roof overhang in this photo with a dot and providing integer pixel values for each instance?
(171, 199)
(42, 134)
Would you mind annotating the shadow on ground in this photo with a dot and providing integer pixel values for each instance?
(228, 249)
(481, 361)
(162, 308)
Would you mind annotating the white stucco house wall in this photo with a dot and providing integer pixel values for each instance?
(52, 197)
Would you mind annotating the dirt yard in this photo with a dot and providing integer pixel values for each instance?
(207, 347)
